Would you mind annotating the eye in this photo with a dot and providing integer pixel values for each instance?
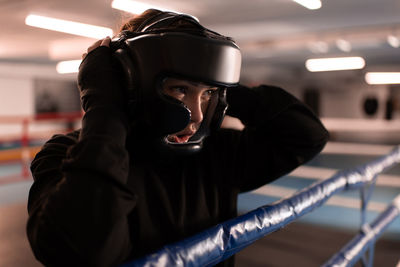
(208, 93)
(179, 89)
(211, 91)
(177, 92)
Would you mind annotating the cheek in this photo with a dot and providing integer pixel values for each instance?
(204, 106)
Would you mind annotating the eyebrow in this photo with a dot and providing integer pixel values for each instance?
(202, 84)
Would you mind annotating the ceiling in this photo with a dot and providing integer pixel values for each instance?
(273, 32)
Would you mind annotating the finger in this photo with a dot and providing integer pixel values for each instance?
(106, 41)
(84, 55)
(93, 46)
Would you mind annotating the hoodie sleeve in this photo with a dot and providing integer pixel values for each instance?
(79, 201)
(280, 134)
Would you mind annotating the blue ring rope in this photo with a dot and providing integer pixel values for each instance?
(354, 250)
(224, 240)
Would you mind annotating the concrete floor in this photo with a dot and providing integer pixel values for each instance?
(14, 247)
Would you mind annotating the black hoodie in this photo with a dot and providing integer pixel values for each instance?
(98, 199)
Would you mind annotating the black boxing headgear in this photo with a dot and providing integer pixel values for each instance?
(155, 52)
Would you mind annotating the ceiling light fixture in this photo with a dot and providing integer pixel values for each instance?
(69, 66)
(135, 7)
(310, 4)
(382, 77)
(394, 41)
(67, 26)
(335, 64)
(343, 45)
(318, 47)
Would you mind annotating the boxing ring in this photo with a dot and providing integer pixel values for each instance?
(224, 240)
(22, 137)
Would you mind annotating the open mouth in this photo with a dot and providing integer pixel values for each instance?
(180, 138)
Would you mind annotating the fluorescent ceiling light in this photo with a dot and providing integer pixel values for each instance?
(70, 66)
(135, 7)
(319, 47)
(382, 77)
(66, 26)
(343, 45)
(310, 4)
(332, 64)
(394, 41)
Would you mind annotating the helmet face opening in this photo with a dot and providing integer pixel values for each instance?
(203, 102)
(149, 58)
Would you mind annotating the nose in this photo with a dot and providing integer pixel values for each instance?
(196, 111)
